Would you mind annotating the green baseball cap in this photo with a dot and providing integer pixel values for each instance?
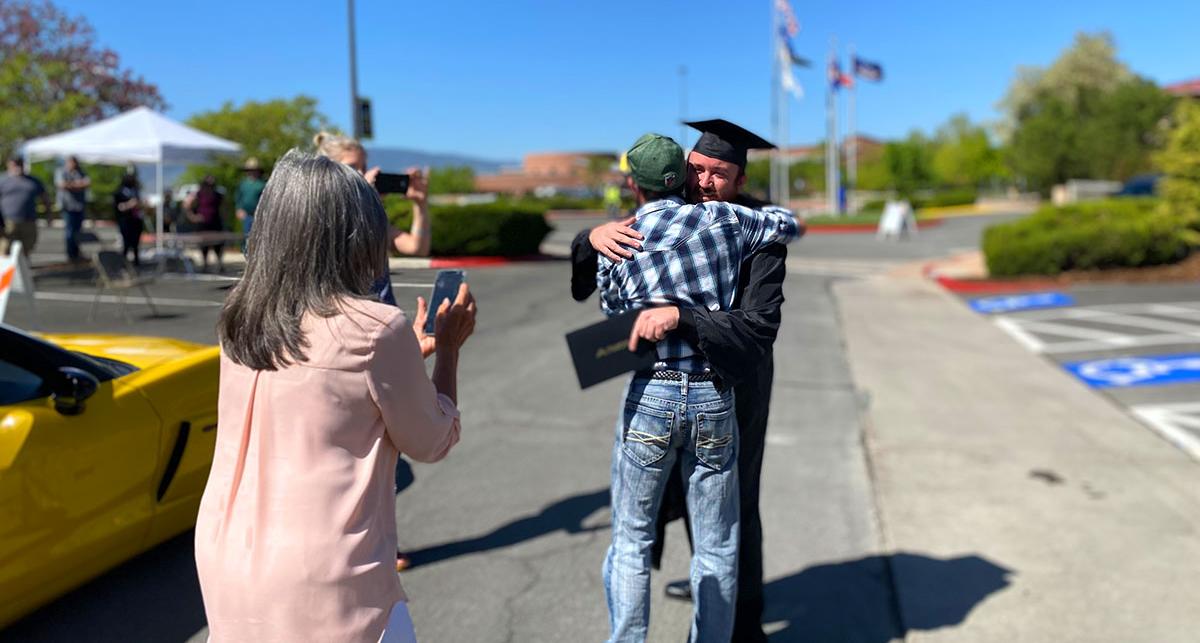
(656, 163)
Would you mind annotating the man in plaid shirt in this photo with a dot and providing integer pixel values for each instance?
(690, 257)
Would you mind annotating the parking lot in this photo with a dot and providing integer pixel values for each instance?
(1138, 346)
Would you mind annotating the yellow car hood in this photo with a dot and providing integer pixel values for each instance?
(142, 352)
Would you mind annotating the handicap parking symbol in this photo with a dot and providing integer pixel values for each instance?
(1153, 370)
(1012, 303)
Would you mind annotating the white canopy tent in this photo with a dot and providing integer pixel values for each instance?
(140, 135)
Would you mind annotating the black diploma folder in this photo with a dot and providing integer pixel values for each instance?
(601, 351)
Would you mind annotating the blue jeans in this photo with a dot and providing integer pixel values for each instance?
(74, 224)
(664, 420)
(247, 223)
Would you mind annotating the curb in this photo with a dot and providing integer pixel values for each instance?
(861, 228)
(989, 286)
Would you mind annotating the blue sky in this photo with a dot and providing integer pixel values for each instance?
(499, 79)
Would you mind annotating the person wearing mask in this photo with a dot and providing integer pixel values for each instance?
(127, 208)
(249, 191)
(72, 184)
(680, 409)
(738, 343)
(322, 386)
(19, 196)
(204, 212)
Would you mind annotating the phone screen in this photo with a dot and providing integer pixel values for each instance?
(444, 287)
(391, 183)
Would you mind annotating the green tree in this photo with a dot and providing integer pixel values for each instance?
(964, 154)
(1120, 129)
(53, 74)
(266, 130)
(1089, 64)
(909, 163)
(1180, 160)
(452, 180)
(1087, 116)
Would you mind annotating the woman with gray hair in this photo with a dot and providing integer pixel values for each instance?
(321, 388)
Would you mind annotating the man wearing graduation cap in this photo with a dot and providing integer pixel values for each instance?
(737, 343)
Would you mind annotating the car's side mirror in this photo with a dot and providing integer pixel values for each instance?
(74, 387)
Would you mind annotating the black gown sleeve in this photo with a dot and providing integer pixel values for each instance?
(584, 263)
(736, 341)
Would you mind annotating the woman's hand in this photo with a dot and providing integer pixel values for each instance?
(371, 174)
(455, 321)
(418, 185)
(428, 342)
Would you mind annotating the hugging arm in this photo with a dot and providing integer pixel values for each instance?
(736, 341)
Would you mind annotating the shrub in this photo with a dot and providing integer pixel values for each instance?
(945, 199)
(1115, 233)
(503, 228)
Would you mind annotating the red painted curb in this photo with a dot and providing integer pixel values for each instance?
(986, 286)
(479, 262)
(860, 228)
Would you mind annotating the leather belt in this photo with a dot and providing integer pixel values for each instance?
(677, 376)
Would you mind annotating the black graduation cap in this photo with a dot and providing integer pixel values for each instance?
(725, 141)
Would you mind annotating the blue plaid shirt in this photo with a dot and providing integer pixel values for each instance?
(690, 258)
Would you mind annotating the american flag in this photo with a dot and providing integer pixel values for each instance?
(789, 17)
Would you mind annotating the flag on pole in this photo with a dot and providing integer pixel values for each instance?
(868, 70)
(837, 79)
(784, 7)
(792, 57)
(786, 79)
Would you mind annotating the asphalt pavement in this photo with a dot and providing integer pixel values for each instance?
(508, 533)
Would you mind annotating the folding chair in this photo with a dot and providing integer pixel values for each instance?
(114, 273)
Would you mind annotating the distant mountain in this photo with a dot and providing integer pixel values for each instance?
(390, 159)
(396, 159)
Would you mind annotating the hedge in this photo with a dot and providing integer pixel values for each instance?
(1114, 233)
(503, 228)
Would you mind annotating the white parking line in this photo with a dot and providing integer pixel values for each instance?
(1042, 332)
(113, 299)
(1178, 423)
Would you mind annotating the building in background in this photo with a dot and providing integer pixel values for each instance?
(550, 173)
(1187, 88)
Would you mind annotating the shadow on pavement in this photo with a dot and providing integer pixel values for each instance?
(154, 597)
(566, 515)
(854, 601)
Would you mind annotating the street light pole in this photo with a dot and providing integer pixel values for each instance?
(683, 129)
(355, 121)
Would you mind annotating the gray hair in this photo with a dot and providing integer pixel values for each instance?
(319, 237)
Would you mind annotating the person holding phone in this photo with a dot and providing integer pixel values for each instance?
(416, 240)
(322, 386)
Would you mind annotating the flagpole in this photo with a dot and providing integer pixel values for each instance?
(776, 89)
(831, 133)
(852, 150)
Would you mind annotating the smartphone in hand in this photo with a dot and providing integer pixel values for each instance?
(391, 183)
(445, 286)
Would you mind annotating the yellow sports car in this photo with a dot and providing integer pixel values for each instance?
(105, 446)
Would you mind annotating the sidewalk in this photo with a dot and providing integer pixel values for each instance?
(1069, 520)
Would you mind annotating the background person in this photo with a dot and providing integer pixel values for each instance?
(72, 183)
(204, 212)
(321, 387)
(127, 209)
(19, 196)
(245, 199)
